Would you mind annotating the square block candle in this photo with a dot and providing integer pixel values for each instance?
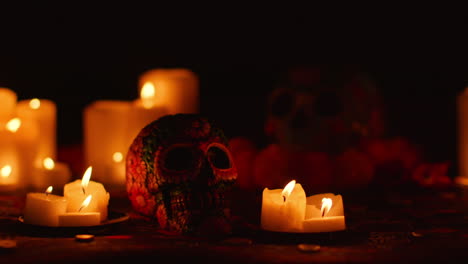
(44, 208)
(80, 218)
(77, 191)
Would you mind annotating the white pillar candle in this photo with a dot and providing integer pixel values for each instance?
(44, 112)
(44, 208)
(143, 114)
(9, 161)
(322, 216)
(462, 127)
(51, 173)
(283, 210)
(77, 191)
(176, 89)
(26, 138)
(81, 217)
(7, 105)
(106, 132)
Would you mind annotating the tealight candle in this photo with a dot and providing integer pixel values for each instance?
(324, 213)
(77, 191)
(284, 210)
(44, 208)
(80, 218)
(51, 172)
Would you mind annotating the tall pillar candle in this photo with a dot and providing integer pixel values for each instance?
(44, 112)
(7, 105)
(177, 89)
(143, 114)
(51, 173)
(26, 138)
(106, 136)
(9, 161)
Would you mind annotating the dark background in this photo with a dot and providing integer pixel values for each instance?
(75, 55)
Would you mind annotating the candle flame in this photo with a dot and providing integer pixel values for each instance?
(49, 189)
(86, 177)
(288, 189)
(48, 163)
(117, 157)
(85, 202)
(14, 124)
(326, 206)
(5, 171)
(146, 94)
(35, 103)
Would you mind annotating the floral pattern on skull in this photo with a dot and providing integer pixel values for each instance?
(179, 171)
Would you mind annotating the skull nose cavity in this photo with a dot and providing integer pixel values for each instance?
(299, 120)
(328, 104)
(282, 104)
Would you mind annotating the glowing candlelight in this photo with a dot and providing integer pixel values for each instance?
(85, 202)
(5, 171)
(49, 190)
(35, 103)
(86, 178)
(117, 157)
(326, 205)
(13, 125)
(48, 163)
(288, 189)
(147, 94)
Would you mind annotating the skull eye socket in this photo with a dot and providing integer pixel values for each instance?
(219, 158)
(179, 158)
(282, 104)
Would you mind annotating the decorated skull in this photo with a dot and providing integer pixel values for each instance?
(179, 171)
(323, 109)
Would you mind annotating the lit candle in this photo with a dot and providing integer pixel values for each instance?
(80, 218)
(44, 208)
(77, 191)
(106, 132)
(324, 213)
(175, 89)
(145, 110)
(51, 172)
(43, 112)
(7, 105)
(26, 137)
(283, 210)
(9, 161)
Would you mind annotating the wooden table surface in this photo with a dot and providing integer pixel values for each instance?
(408, 226)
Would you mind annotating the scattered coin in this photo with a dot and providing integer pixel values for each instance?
(84, 238)
(308, 247)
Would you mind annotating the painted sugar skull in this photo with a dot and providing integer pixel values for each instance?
(179, 172)
(325, 110)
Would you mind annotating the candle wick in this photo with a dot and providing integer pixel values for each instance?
(79, 210)
(84, 190)
(284, 198)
